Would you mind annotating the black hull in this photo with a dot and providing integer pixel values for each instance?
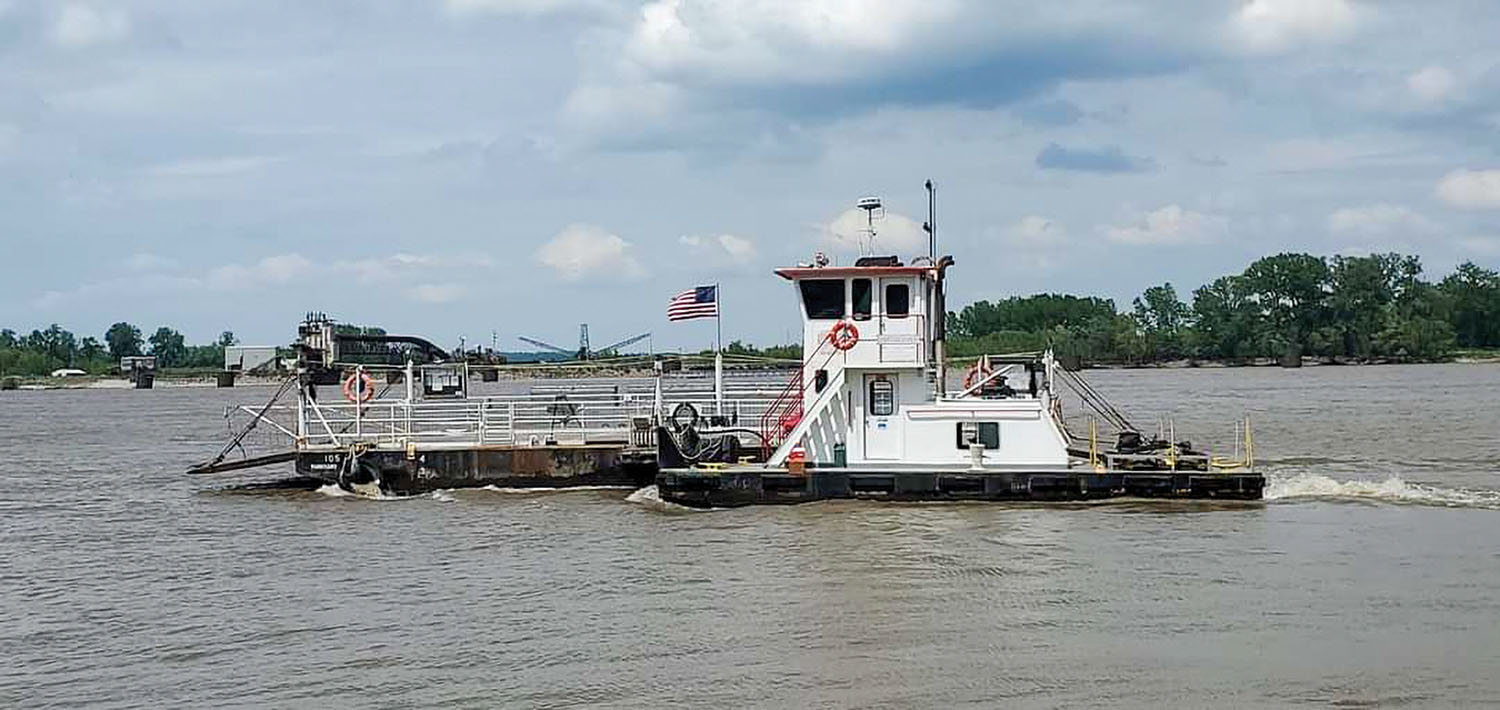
(503, 467)
(729, 489)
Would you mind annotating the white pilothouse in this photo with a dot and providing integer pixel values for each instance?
(872, 396)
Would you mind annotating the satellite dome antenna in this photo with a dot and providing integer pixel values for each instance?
(873, 210)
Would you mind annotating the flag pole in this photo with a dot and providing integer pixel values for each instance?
(718, 351)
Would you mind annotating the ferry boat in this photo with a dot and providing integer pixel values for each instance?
(869, 415)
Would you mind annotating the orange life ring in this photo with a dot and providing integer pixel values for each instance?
(367, 392)
(844, 335)
(975, 374)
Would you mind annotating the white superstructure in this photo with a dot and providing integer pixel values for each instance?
(876, 399)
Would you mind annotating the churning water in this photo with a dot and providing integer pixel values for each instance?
(1369, 577)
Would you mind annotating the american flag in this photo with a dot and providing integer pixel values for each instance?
(700, 302)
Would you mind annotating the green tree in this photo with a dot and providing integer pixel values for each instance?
(124, 340)
(227, 339)
(1291, 294)
(169, 347)
(1162, 317)
(91, 349)
(1473, 294)
(55, 342)
(1029, 314)
(36, 362)
(1224, 319)
(1361, 290)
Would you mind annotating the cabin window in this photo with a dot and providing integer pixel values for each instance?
(820, 381)
(986, 433)
(864, 296)
(882, 398)
(823, 298)
(897, 300)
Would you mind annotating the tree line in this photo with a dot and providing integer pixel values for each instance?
(44, 351)
(1349, 307)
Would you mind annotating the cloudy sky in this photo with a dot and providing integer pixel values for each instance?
(462, 167)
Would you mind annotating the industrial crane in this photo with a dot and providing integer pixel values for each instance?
(584, 352)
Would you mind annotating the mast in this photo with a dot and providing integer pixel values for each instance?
(937, 305)
(718, 351)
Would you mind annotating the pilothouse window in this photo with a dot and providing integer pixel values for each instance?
(823, 298)
(897, 300)
(863, 299)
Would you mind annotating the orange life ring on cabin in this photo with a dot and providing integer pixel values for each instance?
(844, 335)
(367, 391)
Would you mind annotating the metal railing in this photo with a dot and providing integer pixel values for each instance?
(571, 413)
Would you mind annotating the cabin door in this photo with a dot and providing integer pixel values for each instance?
(900, 331)
(882, 418)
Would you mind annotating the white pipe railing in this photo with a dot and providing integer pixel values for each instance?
(589, 414)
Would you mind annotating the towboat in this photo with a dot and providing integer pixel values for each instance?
(869, 414)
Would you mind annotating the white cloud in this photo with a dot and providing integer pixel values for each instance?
(1471, 189)
(386, 268)
(270, 271)
(695, 64)
(584, 250)
(78, 26)
(435, 293)
(210, 167)
(1167, 226)
(1485, 246)
(1038, 232)
(723, 249)
(894, 233)
(1378, 220)
(1276, 25)
(742, 41)
(143, 261)
(144, 272)
(522, 7)
(1432, 84)
(10, 135)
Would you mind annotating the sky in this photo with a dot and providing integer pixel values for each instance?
(496, 168)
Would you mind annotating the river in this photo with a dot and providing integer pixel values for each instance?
(1370, 577)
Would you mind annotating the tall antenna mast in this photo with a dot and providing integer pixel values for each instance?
(931, 226)
(873, 210)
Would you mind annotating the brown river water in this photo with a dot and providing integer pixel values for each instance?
(1370, 577)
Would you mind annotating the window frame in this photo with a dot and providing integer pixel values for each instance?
(807, 304)
(885, 303)
(854, 306)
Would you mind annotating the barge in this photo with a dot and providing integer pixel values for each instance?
(869, 414)
(384, 415)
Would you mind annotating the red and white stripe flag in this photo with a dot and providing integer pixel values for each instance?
(700, 302)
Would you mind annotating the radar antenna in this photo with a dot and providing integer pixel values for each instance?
(874, 210)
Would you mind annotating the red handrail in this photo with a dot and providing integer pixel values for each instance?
(785, 411)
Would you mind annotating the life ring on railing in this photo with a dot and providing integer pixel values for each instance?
(845, 335)
(684, 416)
(367, 388)
(976, 374)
